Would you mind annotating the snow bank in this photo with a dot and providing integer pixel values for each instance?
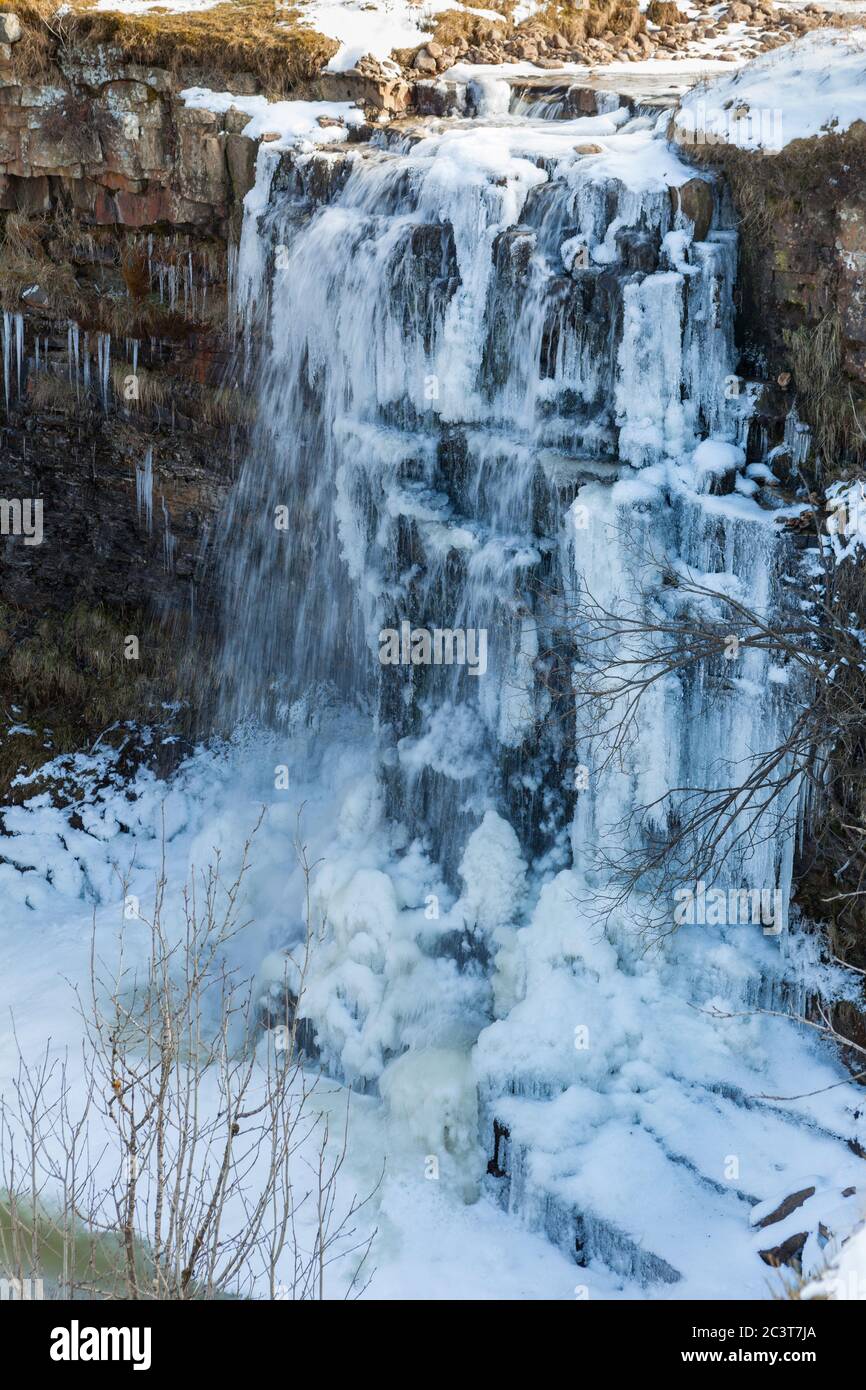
(846, 522)
(808, 88)
(292, 121)
(376, 27)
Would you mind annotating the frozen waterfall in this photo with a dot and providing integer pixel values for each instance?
(499, 371)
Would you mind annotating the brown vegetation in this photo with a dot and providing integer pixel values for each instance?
(239, 36)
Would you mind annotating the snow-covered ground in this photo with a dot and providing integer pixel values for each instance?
(689, 1076)
(290, 122)
(376, 28)
(807, 88)
(430, 1243)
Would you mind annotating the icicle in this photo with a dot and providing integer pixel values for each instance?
(7, 357)
(72, 349)
(144, 491)
(19, 346)
(169, 544)
(85, 358)
(103, 351)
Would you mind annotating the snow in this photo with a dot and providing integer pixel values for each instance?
(844, 1274)
(683, 70)
(376, 27)
(167, 6)
(715, 458)
(846, 520)
(292, 121)
(808, 87)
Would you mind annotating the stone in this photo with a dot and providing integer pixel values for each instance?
(10, 28)
(695, 199)
(33, 194)
(423, 62)
(241, 164)
(790, 1203)
(434, 49)
(35, 297)
(270, 136)
(236, 121)
(788, 1253)
(663, 13)
(200, 166)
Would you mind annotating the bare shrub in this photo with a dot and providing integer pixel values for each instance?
(173, 1175)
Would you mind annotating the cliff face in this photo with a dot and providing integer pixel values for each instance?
(121, 409)
(800, 297)
(118, 205)
(802, 331)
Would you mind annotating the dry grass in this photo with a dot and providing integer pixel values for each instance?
(213, 406)
(588, 21)
(785, 200)
(67, 675)
(664, 12)
(827, 399)
(237, 36)
(53, 395)
(574, 22)
(25, 262)
(448, 27)
(99, 278)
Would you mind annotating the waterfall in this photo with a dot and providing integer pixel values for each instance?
(493, 360)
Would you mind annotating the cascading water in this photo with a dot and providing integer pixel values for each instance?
(492, 359)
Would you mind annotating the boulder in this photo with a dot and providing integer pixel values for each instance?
(664, 12)
(788, 1253)
(424, 62)
(10, 28)
(241, 164)
(695, 199)
(785, 1207)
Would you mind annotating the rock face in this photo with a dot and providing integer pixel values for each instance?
(802, 304)
(129, 153)
(118, 205)
(10, 28)
(802, 330)
(695, 200)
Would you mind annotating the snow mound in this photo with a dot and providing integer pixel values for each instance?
(362, 27)
(810, 87)
(291, 121)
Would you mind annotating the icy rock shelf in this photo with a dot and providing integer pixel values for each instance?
(496, 370)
